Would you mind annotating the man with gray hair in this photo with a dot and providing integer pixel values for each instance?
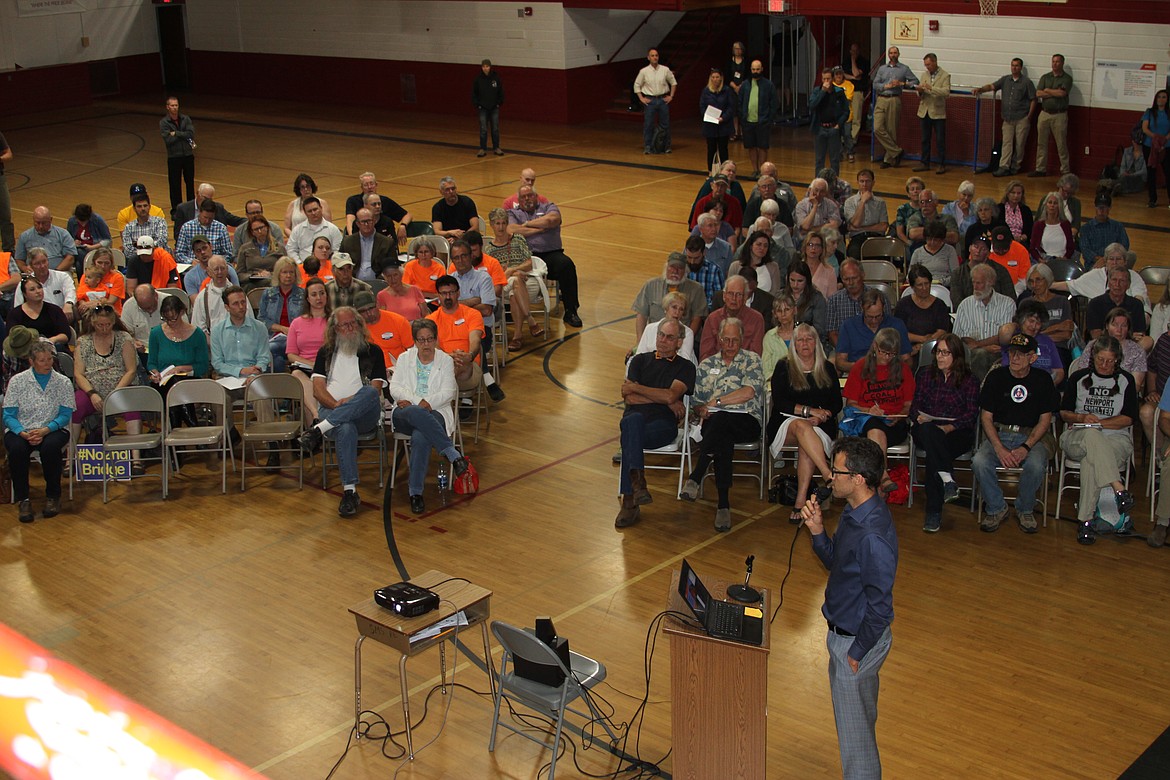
(453, 214)
(647, 305)
(1093, 283)
(58, 244)
(141, 313)
(815, 210)
(58, 285)
(715, 249)
(767, 188)
(735, 295)
(979, 317)
(188, 210)
(386, 207)
(348, 377)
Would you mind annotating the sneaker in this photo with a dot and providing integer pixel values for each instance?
(417, 505)
(459, 466)
(617, 457)
(1086, 534)
(310, 440)
(496, 393)
(646, 150)
(932, 524)
(627, 516)
(1157, 537)
(950, 492)
(349, 504)
(26, 513)
(1026, 521)
(498, 152)
(991, 521)
(481, 153)
(690, 490)
(1124, 501)
(52, 507)
(723, 519)
(1125, 528)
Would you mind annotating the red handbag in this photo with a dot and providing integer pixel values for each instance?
(900, 476)
(468, 484)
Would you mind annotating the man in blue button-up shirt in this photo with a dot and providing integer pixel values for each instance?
(239, 342)
(862, 559)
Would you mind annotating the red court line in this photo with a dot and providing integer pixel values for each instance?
(505, 483)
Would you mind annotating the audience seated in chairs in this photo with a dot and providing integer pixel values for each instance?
(1016, 213)
(239, 348)
(734, 305)
(399, 297)
(1052, 234)
(979, 317)
(258, 254)
(348, 376)
(778, 340)
(176, 342)
(846, 302)
(806, 399)
(1058, 319)
(422, 407)
(715, 249)
(37, 407)
(936, 255)
(866, 215)
(1094, 281)
(1116, 296)
(1133, 357)
(99, 276)
(58, 285)
(1100, 407)
(757, 253)
(729, 392)
(319, 263)
(650, 303)
(878, 394)
(653, 392)
(1016, 406)
(811, 306)
(105, 359)
(280, 304)
(858, 333)
(914, 187)
(986, 217)
(946, 399)
(961, 209)
(425, 269)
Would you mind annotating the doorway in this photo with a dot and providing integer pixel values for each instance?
(172, 46)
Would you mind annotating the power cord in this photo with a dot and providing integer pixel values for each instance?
(780, 595)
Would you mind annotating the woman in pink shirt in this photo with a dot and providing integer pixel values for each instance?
(306, 334)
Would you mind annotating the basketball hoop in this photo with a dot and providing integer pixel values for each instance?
(988, 7)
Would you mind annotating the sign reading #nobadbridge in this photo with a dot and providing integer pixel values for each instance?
(91, 461)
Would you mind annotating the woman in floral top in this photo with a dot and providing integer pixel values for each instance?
(946, 401)
(729, 392)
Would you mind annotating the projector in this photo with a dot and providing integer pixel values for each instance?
(406, 599)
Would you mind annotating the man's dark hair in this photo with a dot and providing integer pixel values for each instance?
(142, 196)
(462, 245)
(695, 244)
(207, 204)
(1030, 307)
(473, 238)
(446, 280)
(233, 288)
(863, 457)
(309, 200)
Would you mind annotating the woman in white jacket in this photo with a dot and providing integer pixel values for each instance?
(423, 387)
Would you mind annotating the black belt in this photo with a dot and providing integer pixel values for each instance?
(828, 124)
(892, 94)
(1054, 111)
(839, 631)
(1013, 428)
(664, 94)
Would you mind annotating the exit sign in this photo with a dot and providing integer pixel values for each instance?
(776, 6)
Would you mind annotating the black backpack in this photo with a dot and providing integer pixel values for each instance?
(658, 140)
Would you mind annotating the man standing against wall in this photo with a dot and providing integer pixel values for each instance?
(856, 67)
(1018, 101)
(757, 109)
(178, 133)
(655, 87)
(1053, 96)
(487, 94)
(888, 84)
(933, 90)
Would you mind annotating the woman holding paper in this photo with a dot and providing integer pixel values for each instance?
(946, 401)
(806, 398)
(104, 361)
(178, 350)
(717, 104)
(878, 394)
(1099, 408)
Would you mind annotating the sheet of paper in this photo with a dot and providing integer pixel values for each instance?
(231, 382)
(932, 418)
(712, 115)
(458, 619)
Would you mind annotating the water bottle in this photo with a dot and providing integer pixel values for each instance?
(443, 478)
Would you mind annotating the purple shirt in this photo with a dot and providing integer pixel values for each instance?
(544, 241)
(945, 399)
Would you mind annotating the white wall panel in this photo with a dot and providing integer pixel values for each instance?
(976, 50)
(115, 28)
(594, 35)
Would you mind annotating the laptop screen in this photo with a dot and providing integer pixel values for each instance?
(690, 587)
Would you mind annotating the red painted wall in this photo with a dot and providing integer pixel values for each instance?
(67, 86)
(1137, 11)
(566, 97)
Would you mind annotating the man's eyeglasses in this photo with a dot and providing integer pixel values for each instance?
(837, 473)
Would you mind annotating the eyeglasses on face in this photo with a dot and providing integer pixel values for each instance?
(838, 473)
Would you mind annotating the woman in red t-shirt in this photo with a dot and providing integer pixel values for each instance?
(881, 386)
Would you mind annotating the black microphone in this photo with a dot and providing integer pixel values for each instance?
(745, 593)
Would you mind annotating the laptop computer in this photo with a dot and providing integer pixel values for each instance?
(720, 619)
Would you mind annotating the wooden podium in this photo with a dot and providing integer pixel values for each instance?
(719, 697)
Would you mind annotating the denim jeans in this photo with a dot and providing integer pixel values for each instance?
(277, 348)
(639, 434)
(360, 414)
(827, 141)
(657, 107)
(1032, 476)
(486, 116)
(427, 430)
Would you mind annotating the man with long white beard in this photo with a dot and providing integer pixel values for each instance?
(347, 382)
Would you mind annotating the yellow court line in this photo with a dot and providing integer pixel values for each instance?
(639, 185)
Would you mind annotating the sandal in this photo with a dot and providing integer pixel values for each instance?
(536, 332)
(515, 345)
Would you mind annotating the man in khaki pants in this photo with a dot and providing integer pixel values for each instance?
(888, 82)
(1053, 96)
(933, 89)
(1017, 103)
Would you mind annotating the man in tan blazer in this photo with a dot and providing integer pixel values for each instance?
(933, 89)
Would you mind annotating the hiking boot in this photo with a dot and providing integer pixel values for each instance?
(26, 512)
(991, 521)
(628, 514)
(52, 507)
(638, 483)
(1157, 537)
(1026, 521)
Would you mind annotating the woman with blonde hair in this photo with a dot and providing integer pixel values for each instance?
(806, 397)
(716, 95)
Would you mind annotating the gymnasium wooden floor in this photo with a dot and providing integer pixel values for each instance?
(1014, 656)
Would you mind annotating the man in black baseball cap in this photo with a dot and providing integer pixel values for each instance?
(1011, 255)
(127, 215)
